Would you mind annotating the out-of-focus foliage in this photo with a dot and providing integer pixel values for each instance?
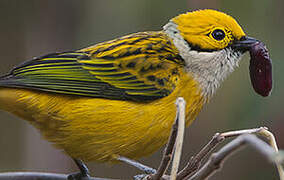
(35, 27)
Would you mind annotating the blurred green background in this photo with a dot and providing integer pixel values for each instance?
(36, 27)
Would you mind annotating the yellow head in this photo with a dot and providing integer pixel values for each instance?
(208, 29)
(211, 44)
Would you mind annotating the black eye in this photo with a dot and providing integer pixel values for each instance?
(218, 34)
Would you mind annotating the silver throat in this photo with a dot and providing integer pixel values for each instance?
(209, 69)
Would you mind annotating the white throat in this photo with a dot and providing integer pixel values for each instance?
(209, 69)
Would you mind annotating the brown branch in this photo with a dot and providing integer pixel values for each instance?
(195, 161)
(216, 160)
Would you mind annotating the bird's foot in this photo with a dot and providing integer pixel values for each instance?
(140, 176)
(78, 176)
(84, 173)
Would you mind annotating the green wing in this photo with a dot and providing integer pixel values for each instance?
(129, 77)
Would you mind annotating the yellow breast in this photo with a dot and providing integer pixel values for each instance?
(97, 129)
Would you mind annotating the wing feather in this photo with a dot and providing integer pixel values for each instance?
(131, 68)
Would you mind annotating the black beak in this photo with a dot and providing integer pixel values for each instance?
(244, 44)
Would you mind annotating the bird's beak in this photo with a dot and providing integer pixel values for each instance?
(244, 44)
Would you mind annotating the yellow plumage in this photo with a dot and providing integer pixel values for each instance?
(197, 25)
(117, 97)
(95, 129)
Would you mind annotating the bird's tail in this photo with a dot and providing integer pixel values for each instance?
(4, 79)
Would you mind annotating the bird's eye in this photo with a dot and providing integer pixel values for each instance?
(218, 34)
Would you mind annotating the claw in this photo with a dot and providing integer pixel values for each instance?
(84, 173)
(78, 176)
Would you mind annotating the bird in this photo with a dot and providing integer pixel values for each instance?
(117, 98)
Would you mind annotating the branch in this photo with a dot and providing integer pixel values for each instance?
(216, 160)
(268, 135)
(37, 175)
(176, 137)
(195, 162)
(180, 137)
(141, 167)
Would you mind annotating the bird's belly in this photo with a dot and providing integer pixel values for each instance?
(96, 129)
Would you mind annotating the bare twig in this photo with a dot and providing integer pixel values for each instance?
(180, 136)
(216, 159)
(279, 157)
(169, 149)
(37, 175)
(243, 131)
(268, 135)
(195, 162)
(142, 167)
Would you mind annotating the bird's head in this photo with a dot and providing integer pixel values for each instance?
(211, 44)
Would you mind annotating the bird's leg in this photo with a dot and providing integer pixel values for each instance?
(84, 173)
(142, 167)
(82, 167)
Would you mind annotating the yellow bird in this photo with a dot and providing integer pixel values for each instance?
(117, 98)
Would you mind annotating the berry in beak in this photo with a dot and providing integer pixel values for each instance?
(260, 64)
